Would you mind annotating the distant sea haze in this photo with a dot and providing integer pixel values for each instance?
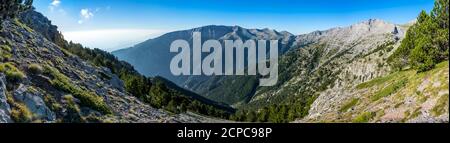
(112, 39)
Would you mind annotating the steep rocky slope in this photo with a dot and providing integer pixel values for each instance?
(314, 63)
(366, 89)
(414, 90)
(405, 96)
(41, 82)
(341, 55)
(339, 77)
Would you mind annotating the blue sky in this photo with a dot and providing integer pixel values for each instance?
(120, 23)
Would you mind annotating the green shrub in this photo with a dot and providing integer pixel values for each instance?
(6, 67)
(382, 80)
(6, 57)
(5, 53)
(73, 112)
(52, 103)
(416, 113)
(12, 73)
(440, 106)
(349, 105)
(394, 87)
(35, 69)
(5, 48)
(364, 117)
(86, 98)
(14, 76)
(2, 68)
(19, 113)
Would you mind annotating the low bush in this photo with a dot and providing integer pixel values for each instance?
(35, 69)
(19, 113)
(364, 117)
(349, 105)
(12, 73)
(394, 87)
(86, 98)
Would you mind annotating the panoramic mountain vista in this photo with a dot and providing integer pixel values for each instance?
(372, 71)
(321, 75)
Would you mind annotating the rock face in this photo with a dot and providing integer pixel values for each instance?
(416, 98)
(5, 109)
(34, 102)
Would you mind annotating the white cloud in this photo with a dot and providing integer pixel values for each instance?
(55, 3)
(85, 14)
(112, 39)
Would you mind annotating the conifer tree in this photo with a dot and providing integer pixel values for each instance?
(426, 42)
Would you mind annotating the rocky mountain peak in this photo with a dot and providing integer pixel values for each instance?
(373, 26)
(374, 21)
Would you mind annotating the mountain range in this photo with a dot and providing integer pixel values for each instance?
(153, 58)
(319, 73)
(372, 71)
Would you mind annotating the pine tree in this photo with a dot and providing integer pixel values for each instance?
(426, 42)
(440, 14)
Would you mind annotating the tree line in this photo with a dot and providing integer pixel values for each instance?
(426, 41)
